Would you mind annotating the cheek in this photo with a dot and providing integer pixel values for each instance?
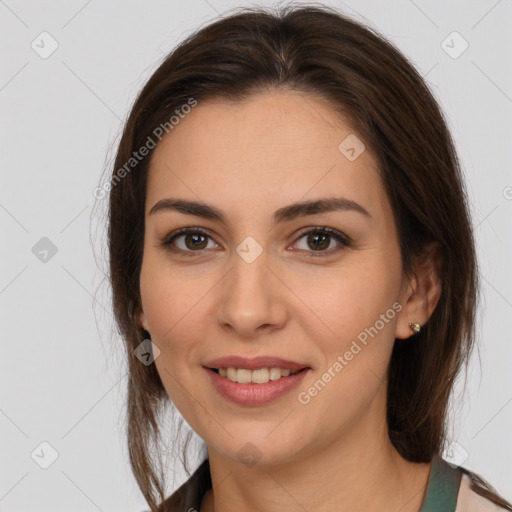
(358, 312)
(171, 307)
(360, 317)
(346, 302)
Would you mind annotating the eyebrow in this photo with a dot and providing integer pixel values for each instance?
(287, 213)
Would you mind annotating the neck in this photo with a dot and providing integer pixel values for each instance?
(360, 470)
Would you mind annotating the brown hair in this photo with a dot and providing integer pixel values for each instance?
(317, 50)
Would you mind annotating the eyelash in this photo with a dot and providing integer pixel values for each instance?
(339, 237)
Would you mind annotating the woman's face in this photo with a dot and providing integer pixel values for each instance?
(263, 283)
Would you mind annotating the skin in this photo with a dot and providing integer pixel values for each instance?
(249, 159)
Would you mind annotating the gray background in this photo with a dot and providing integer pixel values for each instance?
(62, 373)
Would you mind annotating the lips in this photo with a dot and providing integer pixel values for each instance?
(255, 363)
(255, 394)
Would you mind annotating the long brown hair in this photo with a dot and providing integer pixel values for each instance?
(317, 50)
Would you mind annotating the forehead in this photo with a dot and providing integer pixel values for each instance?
(275, 147)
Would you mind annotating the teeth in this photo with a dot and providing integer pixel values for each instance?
(243, 376)
(260, 376)
(275, 373)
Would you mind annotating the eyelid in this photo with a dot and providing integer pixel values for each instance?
(342, 239)
(195, 230)
(324, 229)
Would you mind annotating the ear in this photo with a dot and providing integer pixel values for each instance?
(422, 291)
(142, 320)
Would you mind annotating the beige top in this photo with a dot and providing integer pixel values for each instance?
(470, 501)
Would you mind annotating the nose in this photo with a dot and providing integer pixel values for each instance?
(252, 299)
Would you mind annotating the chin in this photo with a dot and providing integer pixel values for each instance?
(253, 451)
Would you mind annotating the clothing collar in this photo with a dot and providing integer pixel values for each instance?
(440, 495)
(443, 487)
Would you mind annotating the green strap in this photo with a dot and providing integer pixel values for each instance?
(443, 487)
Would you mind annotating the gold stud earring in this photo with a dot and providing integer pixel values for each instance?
(415, 327)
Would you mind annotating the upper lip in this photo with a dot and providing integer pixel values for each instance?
(254, 363)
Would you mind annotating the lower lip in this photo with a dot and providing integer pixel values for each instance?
(255, 394)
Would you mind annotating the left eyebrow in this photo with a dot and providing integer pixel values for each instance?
(285, 214)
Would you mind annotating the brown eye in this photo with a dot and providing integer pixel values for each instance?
(195, 241)
(319, 240)
(190, 240)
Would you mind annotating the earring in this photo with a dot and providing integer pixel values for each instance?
(416, 327)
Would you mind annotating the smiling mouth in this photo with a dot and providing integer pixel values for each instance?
(259, 376)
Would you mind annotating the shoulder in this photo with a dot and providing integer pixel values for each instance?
(468, 500)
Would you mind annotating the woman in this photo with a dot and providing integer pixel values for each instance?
(293, 268)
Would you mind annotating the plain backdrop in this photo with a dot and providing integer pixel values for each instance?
(62, 368)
